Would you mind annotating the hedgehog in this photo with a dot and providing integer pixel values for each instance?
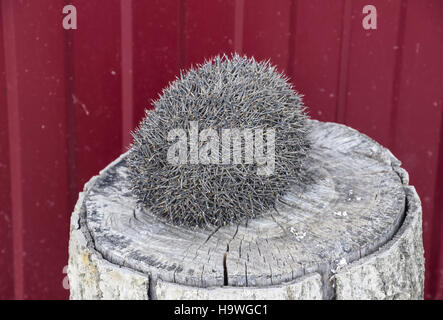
(224, 142)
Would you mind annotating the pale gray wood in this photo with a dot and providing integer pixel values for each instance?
(304, 288)
(354, 207)
(91, 276)
(396, 271)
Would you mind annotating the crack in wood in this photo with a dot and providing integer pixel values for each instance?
(193, 265)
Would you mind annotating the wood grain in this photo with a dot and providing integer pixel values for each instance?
(355, 205)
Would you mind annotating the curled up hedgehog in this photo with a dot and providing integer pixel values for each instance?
(225, 141)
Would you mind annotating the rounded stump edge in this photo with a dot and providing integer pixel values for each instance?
(93, 277)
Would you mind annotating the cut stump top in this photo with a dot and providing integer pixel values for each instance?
(354, 206)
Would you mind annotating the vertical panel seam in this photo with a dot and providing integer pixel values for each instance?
(14, 137)
(437, 220)
(71, 115)
(397, 75)
(181, 28)
(127, 89)
(239, 26)
(292, 37)
(342, 84)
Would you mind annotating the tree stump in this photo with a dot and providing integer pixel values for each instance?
(354, 233)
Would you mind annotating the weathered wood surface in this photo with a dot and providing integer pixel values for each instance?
(320, 243)
(396, 271)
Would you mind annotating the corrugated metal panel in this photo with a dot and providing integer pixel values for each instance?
(72, 97)
(6, 267)
(36, 106)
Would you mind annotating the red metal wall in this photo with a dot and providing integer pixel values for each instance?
(70, 97)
